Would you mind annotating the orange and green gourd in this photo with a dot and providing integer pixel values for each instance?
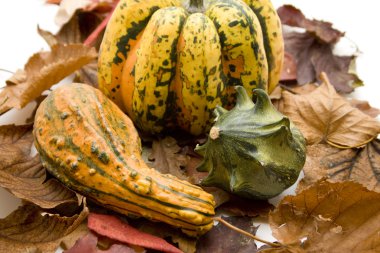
(169, 63)
(252, 150)
(93, 148)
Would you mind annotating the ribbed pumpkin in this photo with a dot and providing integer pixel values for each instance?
(92, 147)
(170, 62)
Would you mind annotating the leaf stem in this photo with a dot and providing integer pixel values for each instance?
(273, 244)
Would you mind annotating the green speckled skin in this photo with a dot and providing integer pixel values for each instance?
(253, 150)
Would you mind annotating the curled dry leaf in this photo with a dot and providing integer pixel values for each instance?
(167, 158)
(313, 57)
(23, 174)
(29, 229)
(324, 31)
(329, 217)
(359, 165)
(323, 116)
(41, 72)
(221, 239)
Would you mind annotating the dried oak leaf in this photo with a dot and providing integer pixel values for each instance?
(358, 165)
(221, 239)
(323, 116)
(324, 31)
(43, 70)
(23, 174)
(167, 158)
(113, 228)
(29, 229)
(329, 217)
(88, 244)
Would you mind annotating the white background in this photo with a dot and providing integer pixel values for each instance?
(19, 40)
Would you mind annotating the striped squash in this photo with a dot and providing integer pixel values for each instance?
(92, 147)
(169, 63)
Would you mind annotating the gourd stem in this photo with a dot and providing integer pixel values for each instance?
(273, 244)
(196, 6)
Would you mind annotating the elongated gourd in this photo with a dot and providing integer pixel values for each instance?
(92, 147)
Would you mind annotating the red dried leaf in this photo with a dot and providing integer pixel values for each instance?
(88, 243)
(115, 229)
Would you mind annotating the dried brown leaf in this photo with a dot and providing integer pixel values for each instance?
(185, 243)
(365, 107)
(323, 116)
(23, 174)
(167, 158)
(53, 1)
(221, 239)
(301, 89)
(247, 207)
(277, 98)
(195, 176)
(313, 57)
(74, 31)
(88, 74)
(42, 71)
(324, 31)
(68, 9)
(282, 249)
(49, 38)
(358, 165)
(29, 229)
(329, 217)
(289, 69)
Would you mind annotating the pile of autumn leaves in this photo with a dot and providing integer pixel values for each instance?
(337, 204)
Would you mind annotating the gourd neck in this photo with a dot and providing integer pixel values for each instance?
(196, 6)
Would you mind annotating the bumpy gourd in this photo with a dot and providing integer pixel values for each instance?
(252, 150)
(168, 63)
(92, 147)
